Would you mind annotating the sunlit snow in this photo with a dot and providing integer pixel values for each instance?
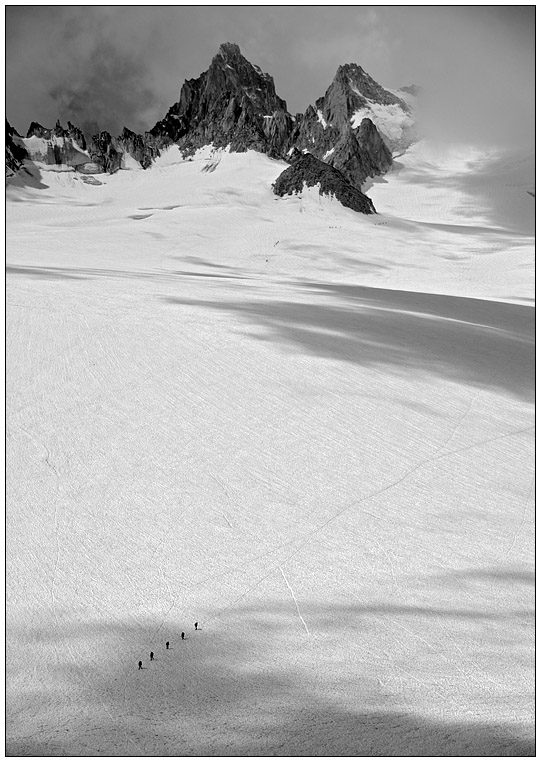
(321, 119)
(308, 429)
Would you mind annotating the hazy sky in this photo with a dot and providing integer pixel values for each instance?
(124, 65)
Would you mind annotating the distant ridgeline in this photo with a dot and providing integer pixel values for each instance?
(354, 128)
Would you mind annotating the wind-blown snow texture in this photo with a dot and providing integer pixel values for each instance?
(308, 429)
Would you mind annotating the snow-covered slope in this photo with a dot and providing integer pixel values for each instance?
(307, 429)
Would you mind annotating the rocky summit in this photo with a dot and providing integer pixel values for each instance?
(353, 127)
(232, 104)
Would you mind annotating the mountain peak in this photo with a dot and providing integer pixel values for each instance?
(230, 54)
(232, 103)
(354, 79)
(229, 50)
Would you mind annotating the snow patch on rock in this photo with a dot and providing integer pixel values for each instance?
(393, 123)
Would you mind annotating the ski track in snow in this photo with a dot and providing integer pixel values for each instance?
(522, 521)
(309, 537)
(191, 426)
(294, 600)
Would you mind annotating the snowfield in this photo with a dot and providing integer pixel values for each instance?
(307, 429)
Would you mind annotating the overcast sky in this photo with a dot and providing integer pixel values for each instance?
(124, 65)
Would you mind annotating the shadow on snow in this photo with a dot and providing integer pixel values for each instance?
(482, 343)
(216, 695)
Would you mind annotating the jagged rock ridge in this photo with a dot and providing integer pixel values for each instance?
(15, 151)
(72, 132)
(100, 153)
(235, 104)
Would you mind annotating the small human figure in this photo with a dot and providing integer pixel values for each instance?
(182, 636)
(140, 665)
(152, 656)
(196, 625)
(167, 645)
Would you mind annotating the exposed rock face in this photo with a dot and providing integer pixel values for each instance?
(314, 134)
(308, 170)
(102, 152)
(15, 150)
(72, 133)
(373, 145)
(36, 130)
(353, 161)
(140, 148)
(235, 104)
(278, 128)
(57, 145)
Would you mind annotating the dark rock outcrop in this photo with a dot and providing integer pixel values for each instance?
(36, 130)
(375, 149)
(15, 151)
(278, 128)
(141, 148)
(313, 134)
(351, 159)
(310, 171)
(72, 133)
(103, 152)
(91, 180)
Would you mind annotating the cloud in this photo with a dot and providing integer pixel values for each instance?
(88, 65)
(112, 91)
(477, 72)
